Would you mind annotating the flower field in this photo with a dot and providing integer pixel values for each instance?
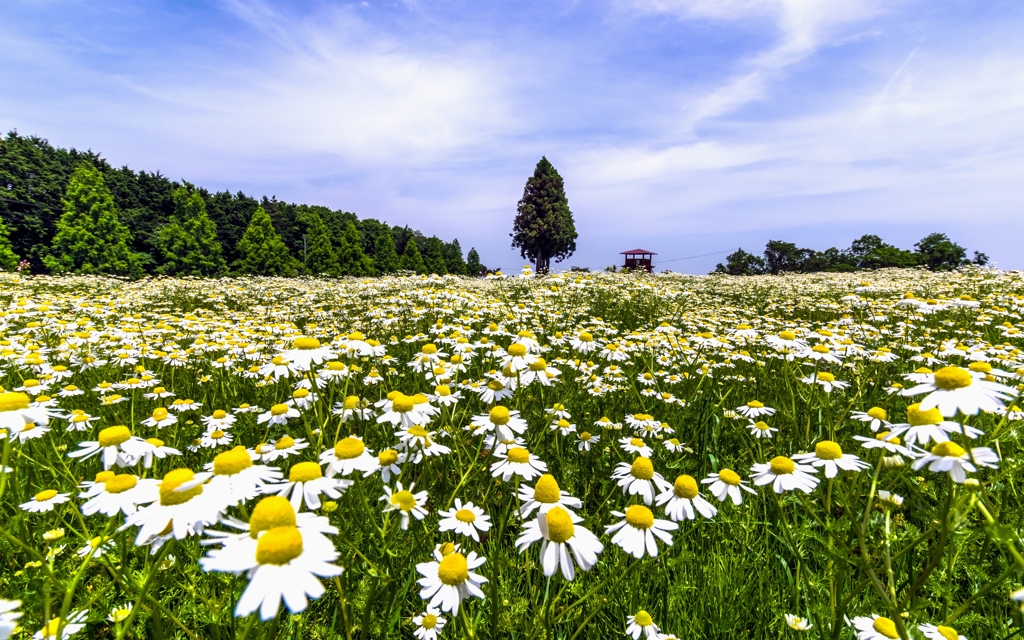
(609, 455)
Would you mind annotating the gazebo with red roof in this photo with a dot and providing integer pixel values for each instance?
(638, 259)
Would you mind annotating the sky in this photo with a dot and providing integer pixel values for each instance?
(686, 127)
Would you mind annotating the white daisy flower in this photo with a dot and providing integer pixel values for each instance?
(465, 520)
(348, 455)
(45, 500)
(940, 632)
(727, 484)
(154, 448)
(352, 408)
(955, 389)
(638, 530)
(545, 495)
(830, 455)
(826, 380)
(754, 409)
(450, 579)
(560, 533)
(278, 414)
(306, 352)
(876, 417)
(642, 624)
(285, 447)
(237, 478)
(926, 426)
(428, 624)
(949, 457)
(417, 442)
(885, 440)
(61, 628)
(796, 623)
(506, 424)
(760, 429)
(875, 627)
(306, 482)
(118, 493)
(683, 498)
(117, 444)
(635, 445)
(403, 411)
(182, 509)
(785, 475)
(406, 502)
(518, 461)
(586, 439)
(219, 420)
(639, 478)
(387, 461)
(160, 418)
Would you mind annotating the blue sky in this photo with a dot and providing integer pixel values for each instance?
(682, 126)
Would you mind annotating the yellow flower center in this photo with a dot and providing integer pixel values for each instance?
(979, 367)
(103, 476)
(538, 365)
(278, 409)
(825, 376)
(156, 442)
(284, 443)
(828, 450)
(949, 633)
(173, 480)
(729, 477)
(402, 403)
(950, 378)
(642, 468)
(231, 462)
(547, 490)
(886, 627)
(754, 404)
(387, 457)
(355, 335)
(586, 336)
(271, 512)
(159, 414)
(948, 449)
(219, 414)
(349, 448)
(639, 517)
(113, 436)
(781, 465)
(404, 500)
(636, 442)
(300, 393)
(279, 545)
(304, 472)
(334, 365)
(495, 385)
(819, 348)
(429, 621)
(13, 401)
(278, 361)
(442, 390)
(429, 349)
(500, 416)
(518, 455)
(418, 431)
(685, 487)
(643, 618)
(305, 343)
(918, 418)
(120, 483)
(787, 335)
(43, 496)
(760, 425)
(453, 570)
(560, 526)
(217, 434)
(585, 436)
(517, 350)
(465, 515)
(878, 413)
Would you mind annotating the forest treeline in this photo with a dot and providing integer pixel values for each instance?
(935, 251)
(64, 210)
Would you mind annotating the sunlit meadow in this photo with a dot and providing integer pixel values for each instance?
(573, 456)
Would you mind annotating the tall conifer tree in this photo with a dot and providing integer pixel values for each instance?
(412, 260)
(188, 243)
(351, 257)
(261, 251)
(385, 256)
(320, 256)
(544, 227)
(433, 257)
(473, 265)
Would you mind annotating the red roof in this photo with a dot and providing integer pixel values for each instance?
(638, 251)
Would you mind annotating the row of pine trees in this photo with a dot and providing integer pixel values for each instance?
(121, 222)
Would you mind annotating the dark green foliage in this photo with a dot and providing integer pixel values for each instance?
(433, 256)
(188, 244)
(939, 253)
(870, 252)
(453, 258)
(473, 266)
(231, 214)
(8, 259)
(980, 259)
(351, 258)
(261, 251)
(412, 260)
(544, 227)
(741, 263)
(320, 256)
(90, 238)
(385, 256)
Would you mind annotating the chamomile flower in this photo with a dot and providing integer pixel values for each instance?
(885, 440)
(160, 418)
(278, 414)
(116, 444)
(785, 474)
(9, 616)
(428, 624)
(545, 495)
(561, 534)
(635, 445)
(727, 484)
(281, 559)
(419, 442)
(876, 417)
(151, 448)
(61, 628)
(237, 478)
(796, 623)
(348, 455)
(285, 447)
(403, 411)
(306, 352)
(754, 409)
(940, 632)
(388, 463)
(501, 421)
(118, 493)
(517, 461)
(925, 426)
(351, 409)
(639, 478)
(306, 483)
(760, 429)
(638, 531)
(182, 508)
(826, 381)
(953, 389)
(683, 498)
(219, 420)
(45, 500)
(585, 440)
(450, 579)
(642, 624)
(830, 455)
(96, 547)
(466, 520)
(875, 627)
(407, 503)
(949, 457)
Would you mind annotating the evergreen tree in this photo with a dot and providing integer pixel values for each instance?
(320, 256)
(90, 236)
(188, 244)
(8, 259)
(351, 257)
(261, 251)
(385, 256)
(544, 227)
(412, 260)
(453, 258)
(741, 263)
(433, 257)
(939, 253)
(473, 266)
